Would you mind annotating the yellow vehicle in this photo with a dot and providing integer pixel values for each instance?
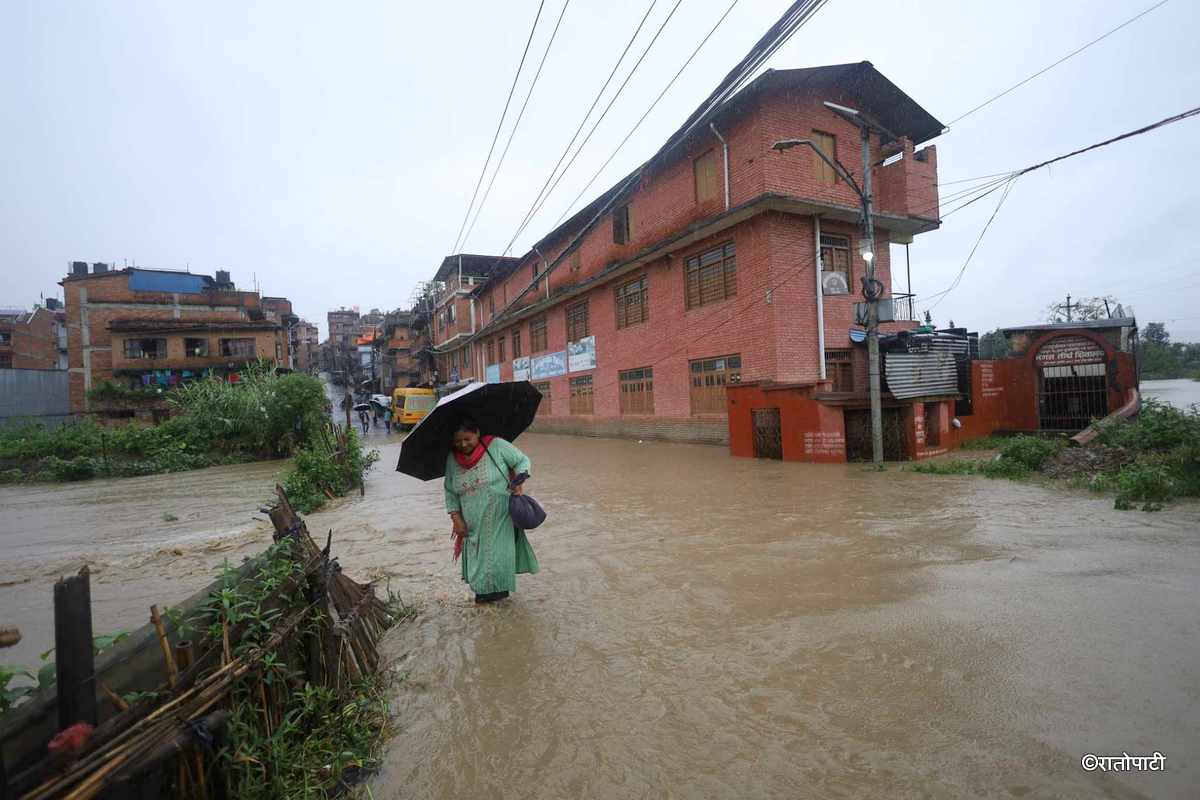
(409, 406)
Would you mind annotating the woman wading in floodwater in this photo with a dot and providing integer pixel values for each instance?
(477, 490)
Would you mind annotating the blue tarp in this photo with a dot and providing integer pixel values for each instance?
(144, 281)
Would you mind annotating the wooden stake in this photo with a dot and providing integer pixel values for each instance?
(172, 672)
(75, 664)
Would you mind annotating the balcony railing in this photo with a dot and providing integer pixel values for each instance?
(904, 308)
(455, 284)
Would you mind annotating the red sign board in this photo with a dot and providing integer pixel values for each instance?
(1068, 350)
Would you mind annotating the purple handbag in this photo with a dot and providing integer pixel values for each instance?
(526, 512)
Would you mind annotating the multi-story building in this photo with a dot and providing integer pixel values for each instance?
(279, 310)
(141, 327)
(718, 261)
(307, 357)
(33, 339)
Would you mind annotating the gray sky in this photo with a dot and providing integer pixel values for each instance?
(331, 149)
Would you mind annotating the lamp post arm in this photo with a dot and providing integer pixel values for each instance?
(834, 164)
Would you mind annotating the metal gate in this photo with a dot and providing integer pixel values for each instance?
(768, 438)
(1070, 397)
(858, 435)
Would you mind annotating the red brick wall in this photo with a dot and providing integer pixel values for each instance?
(33, 343)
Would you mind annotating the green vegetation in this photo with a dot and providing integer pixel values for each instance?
(1163, 359)
(330, 466)
(289, 737)
(46, 674)
(262, 416)
(116, 394)
(1146, 462)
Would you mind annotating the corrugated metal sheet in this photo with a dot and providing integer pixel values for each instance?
(911, 375)
(147, 281)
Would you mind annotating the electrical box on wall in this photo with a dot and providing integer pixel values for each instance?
(887, 312)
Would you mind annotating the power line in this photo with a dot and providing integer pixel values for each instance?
(595, 125)
(499, 125)
(646, 114)
(958, 278)
(1070, 55)
(582, 122)
(517, 124)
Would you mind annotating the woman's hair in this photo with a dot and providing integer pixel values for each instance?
(467, 424)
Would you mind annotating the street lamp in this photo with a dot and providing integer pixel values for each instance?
(871, 288)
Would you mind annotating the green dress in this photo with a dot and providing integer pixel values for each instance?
(494, 550)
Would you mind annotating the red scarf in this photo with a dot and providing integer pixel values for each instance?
(466, 462)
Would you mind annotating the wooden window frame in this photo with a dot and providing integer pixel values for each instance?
(636, 391)
(139, 353)
(516, 343)
(189, 349)
(544, 408)
(226, 351)
(707, 382)
(582, 400)
(629, 295)
(710, 276)
(500, 349)
(490, 348)
(705, 176)
(834, 249)
(621, 225)
(839, 368)
(578, 321)
(822, 172)
(538, 335)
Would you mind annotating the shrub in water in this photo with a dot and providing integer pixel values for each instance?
(1029, 452)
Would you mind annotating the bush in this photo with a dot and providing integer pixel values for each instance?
(1150, 484)
(80, 468)
(321, 470)
(1158, 426)
(1030, 452)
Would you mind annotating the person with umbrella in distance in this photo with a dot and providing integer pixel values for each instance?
(463, 439)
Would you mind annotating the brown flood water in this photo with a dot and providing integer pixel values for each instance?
(713, 627)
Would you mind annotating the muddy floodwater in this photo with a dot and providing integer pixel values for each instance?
(1181, 392)
(705, 626)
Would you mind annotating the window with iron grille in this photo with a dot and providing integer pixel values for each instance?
(491, 352)
(711, 276)
(544, 406)
(835, 256)
(704, 170)
(148, 348)
(621, 225)
(637, 390)
(236, 348)
(537, 335)
(577, 321)
(500, 349)
(195, 348)
(827, 144)
(581, 395)
(632, 302)
(516, 337)
(839, 366)
(709, 377)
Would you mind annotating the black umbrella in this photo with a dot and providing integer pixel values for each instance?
(362, 407)
(501, 409)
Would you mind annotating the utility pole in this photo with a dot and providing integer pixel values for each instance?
(1069, 308)
(871, 295)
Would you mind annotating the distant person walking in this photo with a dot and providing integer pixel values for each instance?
(364, 417)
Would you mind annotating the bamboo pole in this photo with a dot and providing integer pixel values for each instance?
(168, 657)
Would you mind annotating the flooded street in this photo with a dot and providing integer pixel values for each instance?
(713, 627)
(1180, 392)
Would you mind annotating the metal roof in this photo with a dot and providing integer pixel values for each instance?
(911, 375)
(1092, 324)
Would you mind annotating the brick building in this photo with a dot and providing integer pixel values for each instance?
(307, 356)
(140, 327)
(33, 339)
(718, 261)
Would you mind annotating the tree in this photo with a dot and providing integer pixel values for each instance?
(1156, 333)
(1082, 310)
(993, 345)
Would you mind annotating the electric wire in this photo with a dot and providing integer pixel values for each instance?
(517, 124)
(586, 116)
(499, 125)
(1068, 56)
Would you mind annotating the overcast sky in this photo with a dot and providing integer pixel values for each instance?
(329, 150)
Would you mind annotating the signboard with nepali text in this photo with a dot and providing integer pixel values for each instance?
(581, 355)
(550, 365)
(1069, 350)
(521, 368)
